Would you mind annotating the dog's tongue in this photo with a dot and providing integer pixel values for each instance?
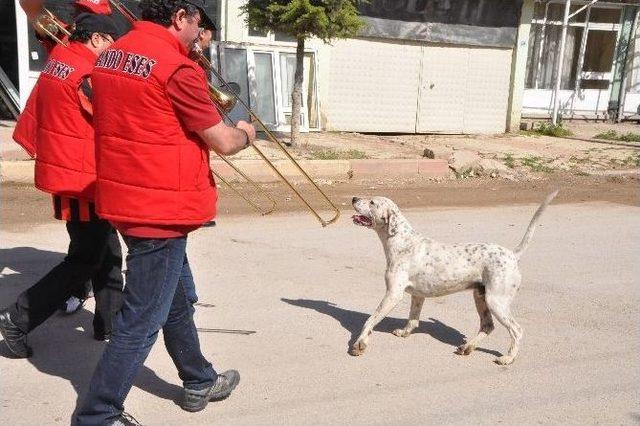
(361, 220)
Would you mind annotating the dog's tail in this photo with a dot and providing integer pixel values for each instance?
(532, 225)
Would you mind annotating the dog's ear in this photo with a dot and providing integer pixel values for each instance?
(393, 224)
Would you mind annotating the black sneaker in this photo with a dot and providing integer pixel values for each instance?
(196, 400)
(101, 337)
(15, 339)
(125, 419)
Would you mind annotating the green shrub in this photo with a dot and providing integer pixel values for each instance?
(632, 160)
(612, 135)
(509, 161)
(334, 154)
(550, 129)
(536, 164)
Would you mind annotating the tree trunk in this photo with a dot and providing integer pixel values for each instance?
(296, 95)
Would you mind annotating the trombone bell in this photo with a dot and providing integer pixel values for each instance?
(223, 100)
(48, 26)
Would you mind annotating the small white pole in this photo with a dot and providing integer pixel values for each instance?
(563, 39)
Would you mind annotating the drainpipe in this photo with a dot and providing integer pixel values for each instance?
(226, 20)
(623, 84)
(556, 90)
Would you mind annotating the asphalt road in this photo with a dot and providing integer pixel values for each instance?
(307, 291)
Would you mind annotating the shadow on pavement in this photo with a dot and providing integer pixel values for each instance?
(353, 322)
(21, 267)
(63, 345)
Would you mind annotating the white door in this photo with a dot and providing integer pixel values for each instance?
(463, 90)
(442, 90)
(287, 74)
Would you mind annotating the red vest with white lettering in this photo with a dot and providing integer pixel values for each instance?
(27, 126)
(150, 170)
(61, 129)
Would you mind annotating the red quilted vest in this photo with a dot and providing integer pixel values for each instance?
(56, 129)
(150, 170)
(27, 126)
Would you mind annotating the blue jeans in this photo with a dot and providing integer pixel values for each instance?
(159, 294)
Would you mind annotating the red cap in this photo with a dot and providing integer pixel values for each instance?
(100, 7)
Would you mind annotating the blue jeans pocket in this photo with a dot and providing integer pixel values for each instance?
(143, 245)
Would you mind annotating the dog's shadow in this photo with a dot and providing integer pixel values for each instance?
(353, 321)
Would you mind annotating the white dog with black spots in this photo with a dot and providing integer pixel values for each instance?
(424, 268)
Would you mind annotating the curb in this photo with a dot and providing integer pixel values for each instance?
(22, 171)
(17, 171)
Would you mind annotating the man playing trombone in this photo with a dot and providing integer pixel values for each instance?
(154, 124)
(56, 129)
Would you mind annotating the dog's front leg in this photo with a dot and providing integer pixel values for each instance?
(414, 317)
(390, 300)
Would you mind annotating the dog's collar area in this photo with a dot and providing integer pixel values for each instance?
(362, 220)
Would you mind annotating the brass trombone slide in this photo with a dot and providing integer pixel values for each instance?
(47, 25)
(223, 101)
(206, 64)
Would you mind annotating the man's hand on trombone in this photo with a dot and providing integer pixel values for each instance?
(228, 140)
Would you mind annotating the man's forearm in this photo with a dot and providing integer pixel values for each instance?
(225, 140)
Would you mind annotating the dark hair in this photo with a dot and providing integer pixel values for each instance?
(80, 35)
(85, 35)
(161, 11)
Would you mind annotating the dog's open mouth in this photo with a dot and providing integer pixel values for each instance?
(362, 220)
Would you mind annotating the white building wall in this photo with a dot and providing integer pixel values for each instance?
(372, 86)
(487, 97)
(384, 86)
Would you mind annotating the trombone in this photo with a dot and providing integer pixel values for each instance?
(198, 56)
(226, 102)
(47, 25)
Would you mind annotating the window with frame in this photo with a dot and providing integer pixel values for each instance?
(593, 53)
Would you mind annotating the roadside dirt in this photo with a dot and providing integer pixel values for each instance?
(522, 153)
(22, 206)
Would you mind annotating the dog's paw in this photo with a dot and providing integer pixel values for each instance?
(401, 332)
(465, 349)
(358, 348)
(504, 360)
